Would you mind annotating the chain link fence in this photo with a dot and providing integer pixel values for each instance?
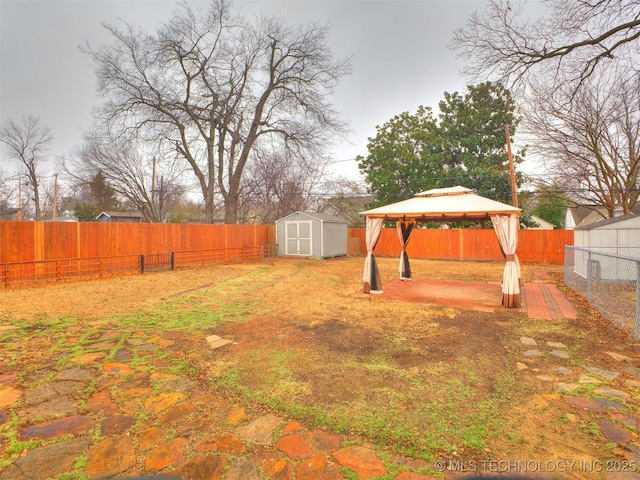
(609, 279)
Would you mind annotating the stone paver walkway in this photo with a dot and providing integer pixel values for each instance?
(119, 404)
(604, 394)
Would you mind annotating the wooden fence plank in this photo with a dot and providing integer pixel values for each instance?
(534, 246)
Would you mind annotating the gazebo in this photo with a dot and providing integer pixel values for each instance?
(454, 204)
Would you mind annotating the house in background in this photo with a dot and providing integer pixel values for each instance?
(581, 216)
(349, 208)
(120, 217)
(8, 214)
(542, 224)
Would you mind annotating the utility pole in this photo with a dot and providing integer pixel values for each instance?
(514, 194)
(55, 197)
(19, 199)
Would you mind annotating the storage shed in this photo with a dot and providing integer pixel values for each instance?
(613, 237)
(310, 234)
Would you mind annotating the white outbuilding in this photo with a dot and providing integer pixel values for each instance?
(311, 234)
(611, 238)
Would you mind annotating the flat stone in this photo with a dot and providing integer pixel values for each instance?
(116, 425)
(224, 442)
(55, 408)
(163, 401)
(556, 345)
(48, 461)
(220, 343)
(235, 416)
(618, 357)
(528, 341)
(294, 446)
(567, 387)
(564, 371)
(605, 402)
(632, 371)
(521, 366)
(260, 431)
(614, 433)
(183, 385)
(293, 427)
(39, 394)
(582, 403)
(74, 425)
(102, 346)
(123, 355)
(559, 353)
(8, 378)
(110, 457)
(177, 413)
(100, 402)
(151, 437)
(241, 468)
(165, 454)
(9, 395)
(532, 353)
(204, 468)
(277, 469)
(587, 379)
(323, 441)
(81, 374)
(632, 383)
(608, 374)
(317, 468)
(88, 358)
(612, 392)
(115, 368)
(68, 387)
(363, 461)
(632, 453)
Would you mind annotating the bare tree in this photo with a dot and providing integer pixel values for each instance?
(221, 89)
(590, 139)
(277, 185)
(147, 180)
(27, 142)
(573, 40)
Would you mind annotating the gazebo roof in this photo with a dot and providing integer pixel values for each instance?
(443, 205)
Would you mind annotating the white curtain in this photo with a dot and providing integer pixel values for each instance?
(506, 228)
(371, 275)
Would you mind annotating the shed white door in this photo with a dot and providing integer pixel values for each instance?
(298, 238)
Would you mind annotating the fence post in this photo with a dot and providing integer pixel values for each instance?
(141, 264)
(637, 331)
(589, 277)
(173, 261)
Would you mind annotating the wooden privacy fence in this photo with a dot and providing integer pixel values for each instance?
(39, 241)
(36, 252)
(534, 246)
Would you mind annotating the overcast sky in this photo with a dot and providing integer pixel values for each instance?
(400, 51)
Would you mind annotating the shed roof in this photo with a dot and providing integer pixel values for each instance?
(323, 217)
(444, 204)
(120, 214)
(615, 221)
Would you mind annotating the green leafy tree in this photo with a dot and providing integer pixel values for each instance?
(403, 157)
(464, 146)
(551, 204)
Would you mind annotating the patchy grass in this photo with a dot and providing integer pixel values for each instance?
(416, 379)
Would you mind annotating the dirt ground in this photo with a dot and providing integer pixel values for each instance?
(311, 342)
